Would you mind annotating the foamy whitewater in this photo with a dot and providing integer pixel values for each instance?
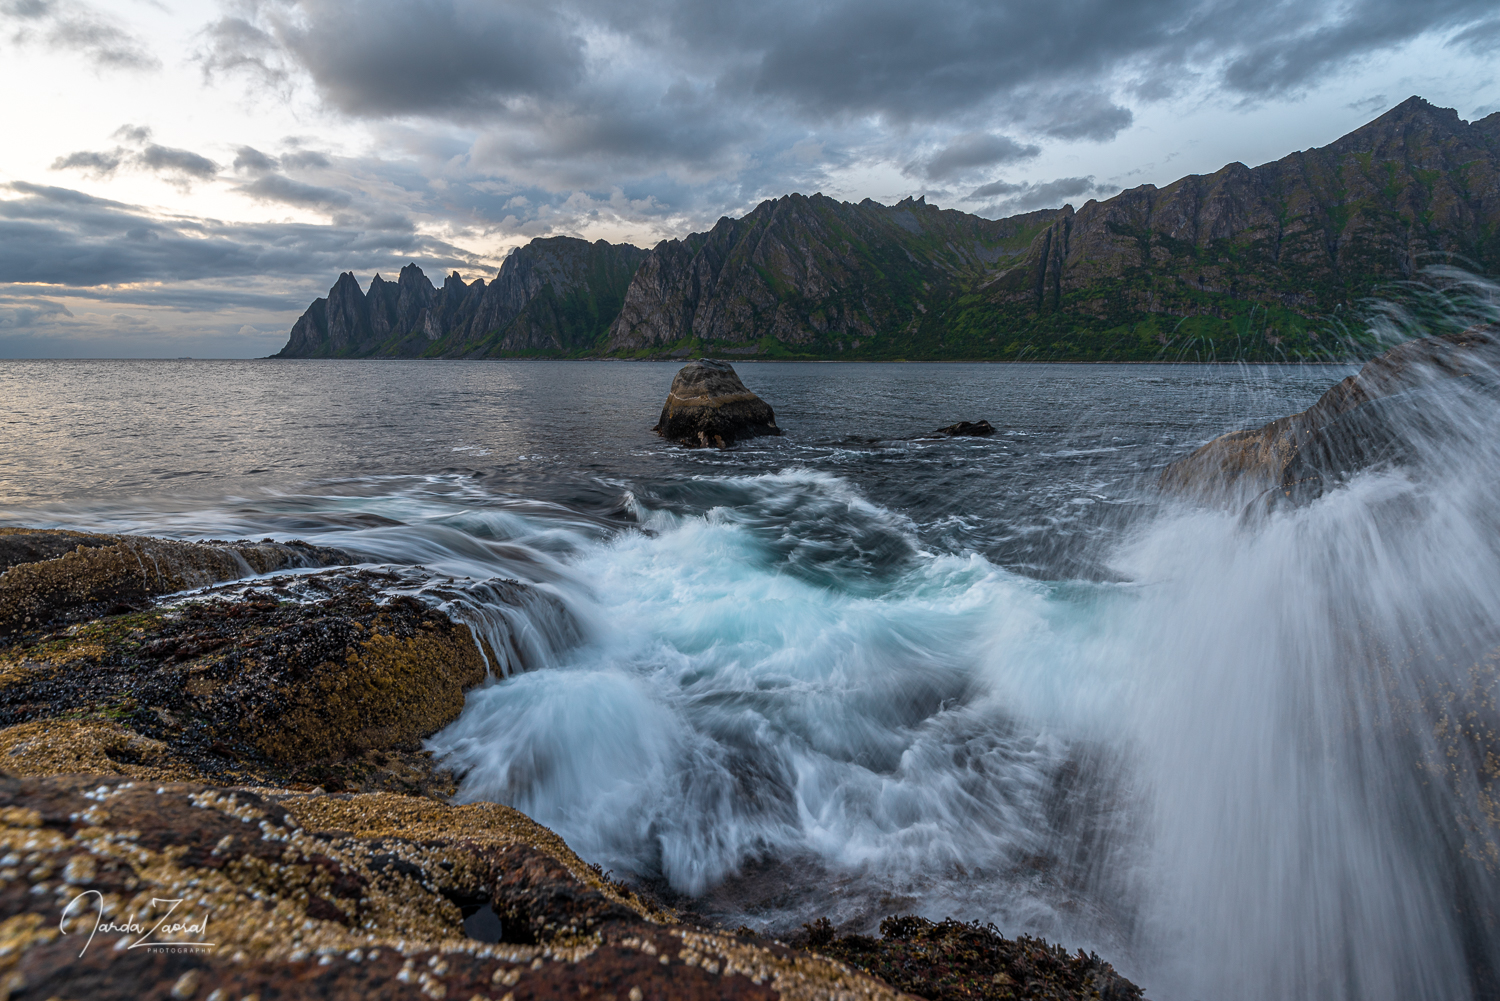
(852, 673)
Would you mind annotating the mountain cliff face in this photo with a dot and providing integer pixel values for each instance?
(814, 276)
(1251, 263)
(555, 296)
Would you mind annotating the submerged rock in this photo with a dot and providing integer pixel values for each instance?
(965, 429)
(1371, 417)
(710, 406)
(51, 577)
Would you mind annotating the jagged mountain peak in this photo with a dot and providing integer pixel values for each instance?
(554, 295)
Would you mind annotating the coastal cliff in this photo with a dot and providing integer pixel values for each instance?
(554, 296)
(1251, 263)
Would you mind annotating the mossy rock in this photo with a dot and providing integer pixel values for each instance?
(51, 576)
(248, 686)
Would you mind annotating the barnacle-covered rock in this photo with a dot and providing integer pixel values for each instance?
(281, 895)
(244, 684)
(959, 961)
(54, 576)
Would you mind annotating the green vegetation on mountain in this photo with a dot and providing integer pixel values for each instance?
(1267, 263)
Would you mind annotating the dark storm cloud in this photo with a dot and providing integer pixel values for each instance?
(1483, 37)
(1080, 115)
(383, 59)
(588, 94)
(56, 236)
(904, 60)
(1309, 45)
(1024, 196)
(77, 26)
(967, 153)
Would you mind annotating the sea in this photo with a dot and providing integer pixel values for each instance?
(861, 669)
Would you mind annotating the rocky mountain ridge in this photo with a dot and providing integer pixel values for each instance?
(1253, 263)
(552, 297)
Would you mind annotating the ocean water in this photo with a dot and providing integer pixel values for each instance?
(857, 671)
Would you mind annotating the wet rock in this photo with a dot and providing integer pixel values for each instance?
(710, 406)
(954, 961)
(33, 545)
(360, 897)
(1376, 415)
(241, 684)
(53, 577)
(965, 429)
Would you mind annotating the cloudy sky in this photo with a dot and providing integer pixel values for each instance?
(183, 178)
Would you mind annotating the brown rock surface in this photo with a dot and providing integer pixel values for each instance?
(244, 685)
(53, 576)
(340, 897)
(954, 961)
(1349, 428)
(709, 406)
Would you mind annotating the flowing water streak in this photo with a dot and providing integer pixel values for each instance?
(1320, 824)
(1242, 770)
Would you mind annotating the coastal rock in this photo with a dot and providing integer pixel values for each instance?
(246, 686)
(710, 406)
(955, 961)
(52, 577)
(557, 295)
(1366, 419)
(343, 897)
(965, 429)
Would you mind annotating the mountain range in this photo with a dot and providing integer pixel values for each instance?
(1253, 263)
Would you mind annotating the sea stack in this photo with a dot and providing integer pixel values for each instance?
(710, 406)
(967, 429)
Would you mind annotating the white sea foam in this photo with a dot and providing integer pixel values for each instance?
(1220, 769)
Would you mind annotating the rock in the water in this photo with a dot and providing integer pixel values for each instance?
(52, 577)
(710, 407)
(1369, 418)
(965, 429)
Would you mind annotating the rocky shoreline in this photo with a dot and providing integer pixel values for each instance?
(252, 750)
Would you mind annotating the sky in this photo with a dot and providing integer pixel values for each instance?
(182, 179)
